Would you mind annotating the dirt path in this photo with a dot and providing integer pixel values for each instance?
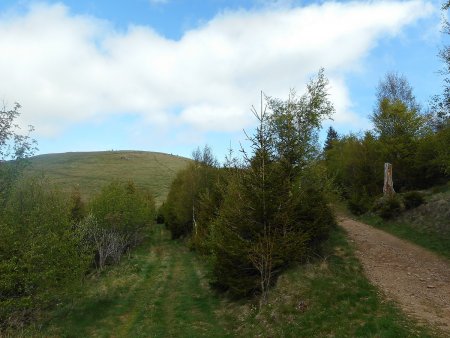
(418, 280)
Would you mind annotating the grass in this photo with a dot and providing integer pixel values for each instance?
(89, 171)
(329, 297)
(163, 291)
(423, 236)
(157, 292)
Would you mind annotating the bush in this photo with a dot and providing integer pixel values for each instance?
(120, 218)
(388, 207)
(238, 238)
(160, 215)
(413, 199)
(359, 204)
(40, 252)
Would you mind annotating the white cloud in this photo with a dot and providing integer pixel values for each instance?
(66, 68)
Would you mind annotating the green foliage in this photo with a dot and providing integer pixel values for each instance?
(120, 218)
(412, 199)
(274, 209)
(443, 149)
(193, 198)
(123, 206)
(179, 206)
(399, 130)
(394, 120)
(40, 253)
(13, 145)
(394, 87)
(332, 136)
(78, 208)
(160, 214)
(401, 136)
(356, 165)
(162, 291)
(359, 204)
(15, 148)
(388, 207)
(440, 104)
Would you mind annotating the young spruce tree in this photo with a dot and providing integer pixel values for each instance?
(271, 214)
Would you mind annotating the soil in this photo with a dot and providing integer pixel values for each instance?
(416, 279)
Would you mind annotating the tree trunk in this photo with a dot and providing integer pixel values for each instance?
(388, 188)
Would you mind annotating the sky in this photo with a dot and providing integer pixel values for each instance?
(171, 75)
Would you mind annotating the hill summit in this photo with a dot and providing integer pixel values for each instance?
(89, 171)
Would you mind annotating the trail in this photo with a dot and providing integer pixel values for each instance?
(167, 298)
(418, 280)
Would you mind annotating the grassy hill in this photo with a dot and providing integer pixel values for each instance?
(91, 170)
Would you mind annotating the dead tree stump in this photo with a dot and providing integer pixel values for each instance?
(388, 188)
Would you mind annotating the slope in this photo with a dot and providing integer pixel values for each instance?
(89, 171)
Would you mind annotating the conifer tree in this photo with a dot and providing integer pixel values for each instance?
(270, 217)
(332, 136)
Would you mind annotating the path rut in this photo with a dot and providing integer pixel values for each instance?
(416, 279)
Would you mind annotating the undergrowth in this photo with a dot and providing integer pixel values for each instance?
(162, 291)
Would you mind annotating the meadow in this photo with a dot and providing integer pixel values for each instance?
(89, 171)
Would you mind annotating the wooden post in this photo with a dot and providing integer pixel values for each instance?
(388, 188)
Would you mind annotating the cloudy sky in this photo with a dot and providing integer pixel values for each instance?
(168, 75)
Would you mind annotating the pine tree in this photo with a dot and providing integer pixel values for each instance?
(332, 137)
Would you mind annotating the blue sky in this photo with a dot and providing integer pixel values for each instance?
(169, 75)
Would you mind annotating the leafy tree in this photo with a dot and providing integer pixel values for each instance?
(399, 126)
(295, 124)
(356, 163)
(393, 120)
(395, 87)
(205, 157)
(120, 217)
(41, 255)
(14, 149)
(440, 109)
(192, 192)
(440, 104)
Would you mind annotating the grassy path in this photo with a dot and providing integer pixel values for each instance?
(161, 294)
(161, 291)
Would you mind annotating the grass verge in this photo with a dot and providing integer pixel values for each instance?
(329, 297)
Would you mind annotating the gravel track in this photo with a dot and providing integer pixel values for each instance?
(416, 279)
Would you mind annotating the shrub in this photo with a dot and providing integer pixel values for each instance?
(108, 244)
(412, 199)
(78, 208)
(160, 215)
(388, 207)
(40, 252)
(359, 204)
(120, 217)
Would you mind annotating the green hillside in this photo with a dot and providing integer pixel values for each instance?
(91, 170)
